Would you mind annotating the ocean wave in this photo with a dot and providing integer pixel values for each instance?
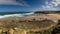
(16, 15)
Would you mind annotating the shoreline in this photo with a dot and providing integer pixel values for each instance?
(27, 24)
(53, 17)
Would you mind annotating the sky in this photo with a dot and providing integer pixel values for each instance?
(28, 5)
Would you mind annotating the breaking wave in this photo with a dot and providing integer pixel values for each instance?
(16, 15)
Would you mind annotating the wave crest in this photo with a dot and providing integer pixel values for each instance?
(16, 15)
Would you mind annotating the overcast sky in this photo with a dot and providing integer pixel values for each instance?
(29, 5)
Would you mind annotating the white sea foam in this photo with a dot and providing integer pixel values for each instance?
(11, 15)
(29, 13)
(15, 15)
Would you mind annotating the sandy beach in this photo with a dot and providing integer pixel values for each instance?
(33, 23)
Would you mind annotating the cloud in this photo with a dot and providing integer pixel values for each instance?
(52, 5)
(13, 2)
(56, 2)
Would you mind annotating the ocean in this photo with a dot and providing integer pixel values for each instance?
(17, 14)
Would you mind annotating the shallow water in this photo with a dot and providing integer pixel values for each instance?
(18, 14)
